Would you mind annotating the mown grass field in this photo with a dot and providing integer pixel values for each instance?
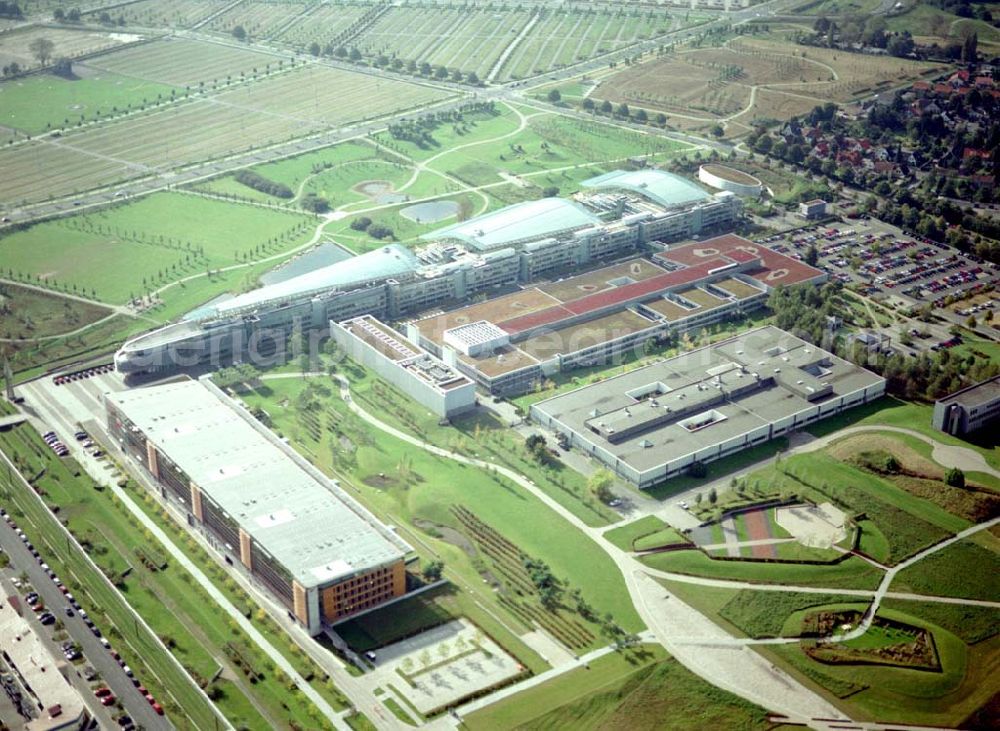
(183, 62)
(626, 535)
(965, 569)
(853, 573)
(138, 247)
(645, 689)
(38, 103)
(484, 434)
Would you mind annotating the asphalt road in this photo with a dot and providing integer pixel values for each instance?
(171, 177)
(93, 651)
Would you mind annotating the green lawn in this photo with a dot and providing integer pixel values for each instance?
(475, 127)
(483, 435)
(141, 246)
(972, 624)
(852, 573)
(552, 141)
(907, 522)
(898, 694)
(425, 488)
(965, 569)
(664, 537)
(635, 691)
(41, 102)
(763, 613)
(626, 535)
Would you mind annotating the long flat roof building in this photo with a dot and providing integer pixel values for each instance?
(651, 424)
(590, 318)
(291, 527)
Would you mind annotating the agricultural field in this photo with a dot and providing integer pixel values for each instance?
(322, 24)
(261, 20)
(139, 247)
(455, 36)
(182, 62)
(710, 85)
(15, 46)
(642, 688)
(562, 38)
(276, 109)
(166, 13)
(44, 102)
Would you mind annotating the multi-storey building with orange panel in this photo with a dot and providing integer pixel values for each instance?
(297, 533)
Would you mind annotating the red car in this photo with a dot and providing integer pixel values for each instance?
(107, 700)
(158, 709)
(102, 692)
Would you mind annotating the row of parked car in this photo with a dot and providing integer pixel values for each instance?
(82, 375)
(73, 608)
(52, 439)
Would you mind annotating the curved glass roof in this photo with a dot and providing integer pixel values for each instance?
(529, 220)
(384, 263)
(665, 189)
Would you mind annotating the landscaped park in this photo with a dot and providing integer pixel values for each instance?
(161, 154)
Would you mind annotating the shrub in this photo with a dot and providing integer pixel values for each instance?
(259, 183)
(954, 477)
(315, 204)
(380, 231)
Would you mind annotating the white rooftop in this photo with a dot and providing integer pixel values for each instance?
(303, 520)
(37, 668)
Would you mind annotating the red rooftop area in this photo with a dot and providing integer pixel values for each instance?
(618, 295)
(775, 269)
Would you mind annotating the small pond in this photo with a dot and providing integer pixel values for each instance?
(431, 212)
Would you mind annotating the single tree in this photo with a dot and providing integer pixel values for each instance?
(41, 49)
(240, 33)
(554, 96)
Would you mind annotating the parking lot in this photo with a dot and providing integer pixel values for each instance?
(881, 262)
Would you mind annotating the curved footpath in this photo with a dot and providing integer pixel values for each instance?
(689, 636)
(946, 455)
